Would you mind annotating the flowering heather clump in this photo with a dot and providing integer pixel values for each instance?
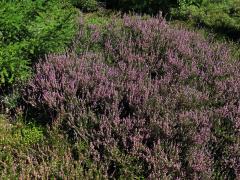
(156, 102)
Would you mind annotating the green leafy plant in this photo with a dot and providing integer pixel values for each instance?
(19, 134)
(86, 5)
(223, 15)
(143, 6)
(30, 29)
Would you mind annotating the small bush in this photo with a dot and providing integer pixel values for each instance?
(155, 102)
(30, 29)
(222, 16)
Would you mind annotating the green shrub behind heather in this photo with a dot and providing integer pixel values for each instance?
(30, 29)
(86, 5)
(222, 15)
(143, 6)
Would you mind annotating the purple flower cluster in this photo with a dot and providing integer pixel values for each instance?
(155, 102)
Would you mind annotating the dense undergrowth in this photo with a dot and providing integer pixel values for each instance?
(123, 97)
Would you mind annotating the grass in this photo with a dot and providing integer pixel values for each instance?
(28, 151)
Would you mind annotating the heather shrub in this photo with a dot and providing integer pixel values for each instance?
(30, 29)
(90, 40)
(92, 28)
(155, 102)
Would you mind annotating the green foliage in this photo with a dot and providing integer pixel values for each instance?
(143, 6)
(95, 19)
(30, 29)
(28, 151)
(221, 15)
(13, 65)
(86, 5)
(20, 134)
